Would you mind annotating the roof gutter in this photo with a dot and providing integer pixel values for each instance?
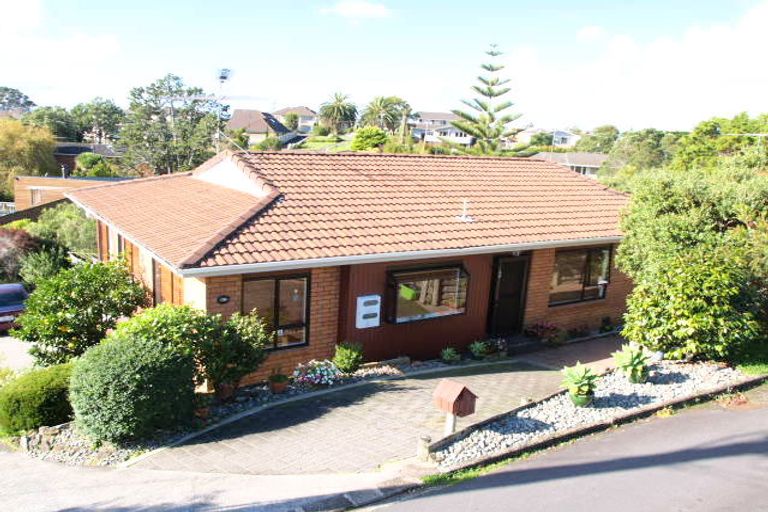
(390, 257)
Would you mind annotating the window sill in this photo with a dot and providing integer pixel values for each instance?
(287, 347)
(417, 320)
(575, 302)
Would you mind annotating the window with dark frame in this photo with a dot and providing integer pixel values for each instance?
(421, 294)
(284, 303)
(580, 275)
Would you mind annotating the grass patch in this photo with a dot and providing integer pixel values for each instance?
(754, 361)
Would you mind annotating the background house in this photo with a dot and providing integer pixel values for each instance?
(406, 254)
(258, 125)
(435, 127)
(581, 162)
(307, 117)
(66, 153)
(560, 138)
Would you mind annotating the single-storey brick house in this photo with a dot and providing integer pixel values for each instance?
(405, 254)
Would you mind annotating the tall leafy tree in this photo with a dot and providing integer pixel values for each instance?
(170, 126)
(24, 149)
(14, 99)
(98, 120)
(488, 124)
(58, 120)
(601, 139)
(338, 112)
(385, 112)
(291, 121)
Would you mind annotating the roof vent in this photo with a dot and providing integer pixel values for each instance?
(465, 216)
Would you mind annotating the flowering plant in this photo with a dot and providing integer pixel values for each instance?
(317, 373)
(544, 331)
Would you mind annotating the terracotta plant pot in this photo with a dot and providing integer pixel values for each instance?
(278, 386)
(581, 400)
(224, 391)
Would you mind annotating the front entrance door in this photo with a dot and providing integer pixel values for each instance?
(508, 295)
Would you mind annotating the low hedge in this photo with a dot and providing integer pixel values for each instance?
(128, 387)
(35, 399)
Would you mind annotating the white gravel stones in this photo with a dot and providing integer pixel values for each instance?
(614, 396)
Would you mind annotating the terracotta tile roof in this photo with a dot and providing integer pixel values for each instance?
(349, 204)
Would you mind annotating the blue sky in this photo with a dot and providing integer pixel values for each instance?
(666, 63)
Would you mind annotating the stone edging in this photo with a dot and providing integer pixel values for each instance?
(577, 432)
(312, 394)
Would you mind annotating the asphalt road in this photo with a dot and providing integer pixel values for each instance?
(704, 459)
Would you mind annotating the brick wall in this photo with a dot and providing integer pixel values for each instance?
(568, 316)
(323, 320)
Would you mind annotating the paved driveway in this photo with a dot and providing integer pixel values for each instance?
(358, 429)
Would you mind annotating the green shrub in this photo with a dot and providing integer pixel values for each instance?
(580, 382)
(129, 387)
(450, 355)
(479, 349)
(22, 224)
(703, 306)
(224, 351)
(183, 328)
(348, 356)
(268, 144)
(41, 265)
(320, 130)
(35, 399)
(239, 352)
(73, 310)
(369, 137)
(633, 362)
(67, 225)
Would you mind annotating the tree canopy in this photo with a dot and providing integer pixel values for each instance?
(170, 126)
(14, 99)
(23, 150)
(489, 125)
(385, 112)
(338, 113)
(98, 120)
(58, 120)
(600, 140)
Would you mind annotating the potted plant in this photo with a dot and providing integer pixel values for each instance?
(580, 382)
(278, 382)
(633, 362)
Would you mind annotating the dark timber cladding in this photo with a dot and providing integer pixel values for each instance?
(422, 338)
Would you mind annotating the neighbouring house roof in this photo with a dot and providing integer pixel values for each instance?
(297, 206)
(255, 121)
(76, 148)
(436, 116)
(300, 111)
(580, 158)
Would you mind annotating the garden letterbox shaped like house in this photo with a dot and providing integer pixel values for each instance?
(454, 398)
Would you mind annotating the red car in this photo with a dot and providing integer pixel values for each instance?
(12, 297)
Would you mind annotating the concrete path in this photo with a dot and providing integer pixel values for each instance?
(358, 429)
(14, 354)
(703, 459)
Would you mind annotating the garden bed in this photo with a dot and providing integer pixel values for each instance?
(556, 416)
(65, 445)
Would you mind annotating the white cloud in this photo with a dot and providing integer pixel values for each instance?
(590, 33)
(670, 82)
(356, 10)
(19, 16)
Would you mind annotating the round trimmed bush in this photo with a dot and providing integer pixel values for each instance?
(128, 387)
(35, 399)
(348, 357)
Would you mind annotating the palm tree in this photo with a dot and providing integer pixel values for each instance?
(489, 126)
(385, 112)
(338, 112)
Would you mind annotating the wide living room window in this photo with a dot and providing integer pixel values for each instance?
(427, 293)
(284, 303)
(580, 275)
